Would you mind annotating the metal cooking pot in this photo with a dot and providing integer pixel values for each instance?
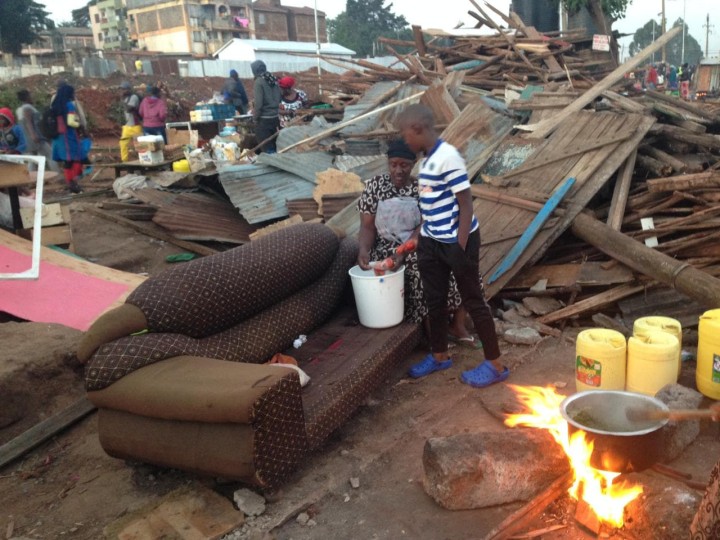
(620, 445)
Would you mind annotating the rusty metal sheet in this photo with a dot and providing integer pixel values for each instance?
(198, 216)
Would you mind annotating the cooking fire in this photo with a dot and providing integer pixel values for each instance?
(591, 486)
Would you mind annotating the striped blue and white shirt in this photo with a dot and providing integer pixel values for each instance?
(442, 175)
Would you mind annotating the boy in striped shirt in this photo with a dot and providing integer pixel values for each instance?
(449, 241)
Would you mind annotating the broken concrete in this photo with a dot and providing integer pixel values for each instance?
(477, 470)
(664, 511)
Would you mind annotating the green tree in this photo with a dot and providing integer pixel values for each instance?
(644, 36)
(363, 22)
(20, 22)
(81, 16)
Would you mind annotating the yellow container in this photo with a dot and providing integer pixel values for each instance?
(182, 165)
(652, 362)
(600, 360)
(707, 375)
(647, 324)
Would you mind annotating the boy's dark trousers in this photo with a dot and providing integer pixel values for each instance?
(436, 260)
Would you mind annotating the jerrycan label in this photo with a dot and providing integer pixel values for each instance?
(716, 368)
(589, 371)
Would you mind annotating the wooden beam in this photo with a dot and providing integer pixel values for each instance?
(592, 303)
(697, 111)
(703, 180)
(419, 40)
(620, 193)
(38, 434)
(546, 127)
(145, 229)
(678, 274)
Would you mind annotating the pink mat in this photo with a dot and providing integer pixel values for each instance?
(59, 295)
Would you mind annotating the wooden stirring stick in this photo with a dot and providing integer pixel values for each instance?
(644, 414)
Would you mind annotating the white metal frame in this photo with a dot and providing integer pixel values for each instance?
(34, 271)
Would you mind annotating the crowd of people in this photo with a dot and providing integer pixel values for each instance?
(662, 76)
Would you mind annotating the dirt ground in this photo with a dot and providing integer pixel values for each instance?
(69, 488)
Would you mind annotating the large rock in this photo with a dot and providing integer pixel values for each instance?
(664, 511)
(475, 470)
(677, 436)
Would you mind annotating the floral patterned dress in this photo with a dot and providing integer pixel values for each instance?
(380, 188)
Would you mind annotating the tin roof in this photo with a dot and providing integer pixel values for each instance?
(260, 192)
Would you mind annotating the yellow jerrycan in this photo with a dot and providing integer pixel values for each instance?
(652, 362)
(666, 324)
(707, 374)
(600, 360)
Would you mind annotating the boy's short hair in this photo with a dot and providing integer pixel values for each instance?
(23, 95)
(416, 114)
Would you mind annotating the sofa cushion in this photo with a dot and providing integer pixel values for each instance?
(208, 295)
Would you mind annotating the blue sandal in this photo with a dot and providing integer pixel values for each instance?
(484, 375)
(428, 365)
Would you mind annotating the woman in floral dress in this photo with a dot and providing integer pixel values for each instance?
(389, 216)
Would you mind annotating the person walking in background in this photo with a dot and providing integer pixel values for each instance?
(12, 138)
(266, 107)
(153, 112)
(28, 118)
(138, 66)
(133, 122)
(651, 78)
(234, 93)
(67, 146)
(449, 242)
(292, 100)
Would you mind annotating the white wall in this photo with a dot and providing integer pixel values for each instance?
(172, 42)
(27, 70)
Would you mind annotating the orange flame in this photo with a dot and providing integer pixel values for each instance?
(593, 486)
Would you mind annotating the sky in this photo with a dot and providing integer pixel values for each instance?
(426, 14)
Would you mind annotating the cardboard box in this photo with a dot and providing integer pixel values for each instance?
(151, 158)
(182, 137)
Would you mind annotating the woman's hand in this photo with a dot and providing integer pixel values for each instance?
(363, 260)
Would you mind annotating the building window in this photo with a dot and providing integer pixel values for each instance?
(97, 18)
(261, 19)
(100, 36)
(194, 22)
(198, 37)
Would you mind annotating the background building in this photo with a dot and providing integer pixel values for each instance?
(108, 20)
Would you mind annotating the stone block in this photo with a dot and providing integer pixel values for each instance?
(477, 470)
(677, 436)
(663, 511)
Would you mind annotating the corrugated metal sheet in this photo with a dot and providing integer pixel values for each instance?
(196, 216)
(371, 96)
(304, 164)
(260, 192)
(295, 134)
(364, 166)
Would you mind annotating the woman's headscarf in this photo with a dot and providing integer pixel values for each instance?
(259, 69)
(7, 113)
(64, 94)
(399, 149)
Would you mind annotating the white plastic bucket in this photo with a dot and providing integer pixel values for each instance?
(380, 300)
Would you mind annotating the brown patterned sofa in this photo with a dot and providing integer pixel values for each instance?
(191, 390)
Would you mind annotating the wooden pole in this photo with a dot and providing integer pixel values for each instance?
(546, 127)
(678, 274)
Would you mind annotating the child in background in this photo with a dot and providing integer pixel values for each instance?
(12, 138)
(449, 242)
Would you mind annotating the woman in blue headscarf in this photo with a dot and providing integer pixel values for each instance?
(68, 145)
